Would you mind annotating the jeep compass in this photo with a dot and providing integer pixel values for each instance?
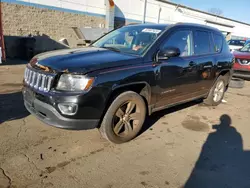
(127, 74)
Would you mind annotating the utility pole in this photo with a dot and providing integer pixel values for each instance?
(144, 11)
(159, 15)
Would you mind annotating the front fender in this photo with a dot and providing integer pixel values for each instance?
(143, 88)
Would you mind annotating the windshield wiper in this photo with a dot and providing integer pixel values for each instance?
(112, 48)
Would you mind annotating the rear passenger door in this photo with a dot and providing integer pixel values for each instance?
(223, 57)
(204, 59)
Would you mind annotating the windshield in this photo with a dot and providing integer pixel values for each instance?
(246, 48)
(236, 42)
(131, 39)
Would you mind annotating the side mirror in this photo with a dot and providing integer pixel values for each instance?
(167, 53)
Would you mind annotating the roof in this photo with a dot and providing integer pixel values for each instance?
(189, 8)
(153, 25)
(164, 26)
(197, 25)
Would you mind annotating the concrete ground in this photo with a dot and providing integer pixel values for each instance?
(191, 145)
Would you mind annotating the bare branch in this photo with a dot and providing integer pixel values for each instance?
(216, 11)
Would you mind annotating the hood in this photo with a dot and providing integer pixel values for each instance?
(241, 55)
(84, 60)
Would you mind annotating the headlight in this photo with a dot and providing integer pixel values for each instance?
(69, 82)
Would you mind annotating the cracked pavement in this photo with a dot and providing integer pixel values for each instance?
(174, 148)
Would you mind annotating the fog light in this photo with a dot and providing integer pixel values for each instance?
(68, 108)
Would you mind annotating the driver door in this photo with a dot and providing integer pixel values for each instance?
(177, 76)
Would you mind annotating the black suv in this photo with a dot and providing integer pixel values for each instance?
(127, 74)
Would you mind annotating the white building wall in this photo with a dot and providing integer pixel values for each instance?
(133, 10)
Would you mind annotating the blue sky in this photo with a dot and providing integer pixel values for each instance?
(235, 9)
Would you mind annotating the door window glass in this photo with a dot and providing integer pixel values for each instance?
(181, 40)
(201, 43)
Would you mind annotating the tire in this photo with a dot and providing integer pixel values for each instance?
(237, 83)
(211, 100)
(122, 122)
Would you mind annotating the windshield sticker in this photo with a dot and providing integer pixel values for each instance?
(146, 30)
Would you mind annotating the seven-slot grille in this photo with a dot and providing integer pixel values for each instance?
(38, 80)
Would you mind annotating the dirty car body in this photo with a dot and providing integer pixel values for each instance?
(164, 64)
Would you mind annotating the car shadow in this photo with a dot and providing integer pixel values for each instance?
(222, 162)
(152, 119)
(12, 107)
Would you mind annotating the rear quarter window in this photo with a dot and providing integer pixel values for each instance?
(225, 47)
(218, 42)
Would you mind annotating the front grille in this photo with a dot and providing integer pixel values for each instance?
(38, 80)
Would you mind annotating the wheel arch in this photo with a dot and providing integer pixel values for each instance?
(142, 88)
(226, 73)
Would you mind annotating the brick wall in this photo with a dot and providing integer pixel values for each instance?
(47, 25)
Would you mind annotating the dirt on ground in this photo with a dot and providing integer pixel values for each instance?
(188, 146)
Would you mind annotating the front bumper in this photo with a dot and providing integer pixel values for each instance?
(241, 71)
(49, 115)
(241, 74)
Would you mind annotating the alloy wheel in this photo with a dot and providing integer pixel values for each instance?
(218, 91)
(126, 119)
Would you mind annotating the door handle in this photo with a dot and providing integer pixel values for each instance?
(191, 64)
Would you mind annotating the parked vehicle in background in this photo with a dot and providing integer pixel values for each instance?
(236, 44)
(127, 74)
(242, 62)
(247, 42)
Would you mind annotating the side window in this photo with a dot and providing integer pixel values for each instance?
(181, 40)
(218, 41)
(225, 47)
(201, 43)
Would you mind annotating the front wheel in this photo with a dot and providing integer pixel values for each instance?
(217, 92)
(124, 118)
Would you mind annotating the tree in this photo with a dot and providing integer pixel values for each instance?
(216, 11)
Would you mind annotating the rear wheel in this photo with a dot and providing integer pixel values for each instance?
(217, 92)
(124, 118)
